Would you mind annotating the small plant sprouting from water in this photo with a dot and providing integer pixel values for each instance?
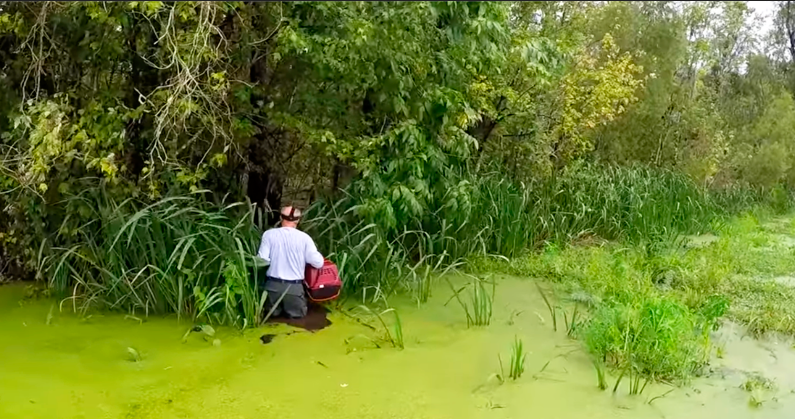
(601, 381)
(394, 335)
(571, 323)
(482, 302)
(552, 309)
(514, 315)
(49, 315)
(398, 329)
(517, 359)
(516, 367)
(757, 386)
(635, 379)
(720, 351)
(478, 309)
(424, 282)
(423, 273)
(756, 398)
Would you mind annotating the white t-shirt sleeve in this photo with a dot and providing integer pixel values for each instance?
(264, 252)
(313, 257)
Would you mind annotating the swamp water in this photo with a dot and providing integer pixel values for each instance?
(55, 364)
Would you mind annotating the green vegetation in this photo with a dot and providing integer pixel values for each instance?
(654, 339)
(478, 308)
(757, 386)
(601, 380)
(393, 335)
(420, 133)
(491, 215)
(207, 332)
(516, 366)
(553, 308)
(145, 145)
(518, 354)
(648, 314)
(176, 255)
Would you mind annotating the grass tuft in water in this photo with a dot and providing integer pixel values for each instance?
(179, 255)
(482, 301)
(653, 339)
(516, 366)
(757, 386)
(478, 308)
(571, 323)
(517, 359)
(552, 308)
(394, 334)
(601, 381)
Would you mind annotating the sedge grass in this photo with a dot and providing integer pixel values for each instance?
(384, 242)
(516, 367)
(553, 313)
(517, 359)
(178, 255)
(571, 323)
(479, 307)
(482, 301)
(394, 334)
(601, 381)
(187, 255)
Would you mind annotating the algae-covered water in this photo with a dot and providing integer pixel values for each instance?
(55, 364)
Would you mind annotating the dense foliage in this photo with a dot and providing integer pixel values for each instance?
(419, 132)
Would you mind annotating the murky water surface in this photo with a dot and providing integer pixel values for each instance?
(57, 364)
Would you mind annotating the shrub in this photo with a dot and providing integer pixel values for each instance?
(655, 339)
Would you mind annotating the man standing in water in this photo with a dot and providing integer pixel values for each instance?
(288, 250)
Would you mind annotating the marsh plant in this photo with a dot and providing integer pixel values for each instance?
(551, 307)
(517, 362)
(421, 275)
(653, 339)
(192, 255)
(571, 322)
(482, 301)
(478, 307)
(489, 215)
(178, 255)
(392, 335)
(758, 388)
(601, 380)
(518, 355)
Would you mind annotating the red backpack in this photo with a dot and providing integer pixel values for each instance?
(322, 284)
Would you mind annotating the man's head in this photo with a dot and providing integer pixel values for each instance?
(290, 216)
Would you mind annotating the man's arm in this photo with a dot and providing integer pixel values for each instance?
(264, 252)
(313, 257)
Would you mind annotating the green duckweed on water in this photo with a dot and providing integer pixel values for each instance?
(57, 364)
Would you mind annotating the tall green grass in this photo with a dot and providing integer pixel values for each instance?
(381, 242)
(651, 340)
(178, 255)
(191, 257)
